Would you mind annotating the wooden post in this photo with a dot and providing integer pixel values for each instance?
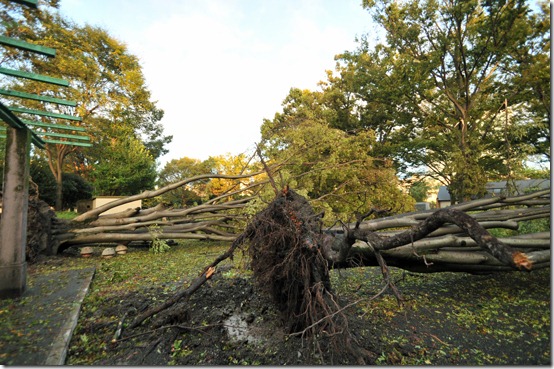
(13, 224)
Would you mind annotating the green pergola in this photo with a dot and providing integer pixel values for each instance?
(24, 127)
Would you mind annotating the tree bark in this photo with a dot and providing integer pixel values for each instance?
(454, 238)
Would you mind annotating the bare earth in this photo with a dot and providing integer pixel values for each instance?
(447, 319)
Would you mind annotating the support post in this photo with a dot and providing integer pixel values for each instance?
(13, 224)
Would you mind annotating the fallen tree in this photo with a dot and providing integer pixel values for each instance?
(291, 256)
(292, 253)
(215, 219)
(447, 248)
(450, 239)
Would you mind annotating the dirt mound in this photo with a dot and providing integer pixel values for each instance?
(228, 321)
(39, 229)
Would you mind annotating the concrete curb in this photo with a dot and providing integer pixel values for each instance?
(58, 352)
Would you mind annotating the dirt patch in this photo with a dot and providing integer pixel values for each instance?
(228, 321)
(447, 319)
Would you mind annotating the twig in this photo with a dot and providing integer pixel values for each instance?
(386, 274)
(199, 329)
(324, 318)
(427, 264)
(438, 339)
(119, 328)
(266, 168)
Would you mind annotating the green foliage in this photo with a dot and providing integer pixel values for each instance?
(534, 226)
(177, 170)
(419, 191)
(458, 88)
(126, 168)
(66, 215)
(534, 173)
(158, 246)
(333, 168)
(74, 187)
(111, 94)
(42, 176)
(228, 165)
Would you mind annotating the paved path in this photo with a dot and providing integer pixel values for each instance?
(53, 302)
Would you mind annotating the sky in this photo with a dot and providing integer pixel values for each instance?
(219, 67)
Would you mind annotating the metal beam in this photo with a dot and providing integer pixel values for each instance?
(29, 3)
(13, 121)
(45, 113)
(48, 51)
(70, 143)
(59, 142)
(25, 95)
(53, 125)
(63, 135)
(10, 118)
(46, 140)
(34, 77)
(56, 134)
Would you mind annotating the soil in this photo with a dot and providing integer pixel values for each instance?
(229, 322)
(226, 322)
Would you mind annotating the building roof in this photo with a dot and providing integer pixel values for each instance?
(522, 186)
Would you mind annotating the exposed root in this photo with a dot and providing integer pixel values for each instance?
(287, 261)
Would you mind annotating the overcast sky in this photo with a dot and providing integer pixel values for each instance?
(219, 67)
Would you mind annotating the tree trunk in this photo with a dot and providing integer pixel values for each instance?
(455, 239)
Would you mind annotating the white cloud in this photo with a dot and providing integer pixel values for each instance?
(218, 68)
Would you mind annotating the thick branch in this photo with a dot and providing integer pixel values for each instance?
(504, 253)
(93, 214)
(195, 285)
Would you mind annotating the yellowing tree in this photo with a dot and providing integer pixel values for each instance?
(105, 80)
(229, 165)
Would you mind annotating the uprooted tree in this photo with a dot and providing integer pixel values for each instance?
(449, 247)
(292, 252)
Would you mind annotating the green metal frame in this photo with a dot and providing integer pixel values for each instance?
(45, 113)
(25, 95)
(48, 51)
(34, 77)
(10, 118)
(7, 112)
(45, 138)
(53, 125)
(29, 3)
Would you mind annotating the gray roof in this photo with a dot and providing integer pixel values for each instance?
(443, 194)
(522, 186)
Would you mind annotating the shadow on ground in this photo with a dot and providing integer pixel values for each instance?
(47, 314)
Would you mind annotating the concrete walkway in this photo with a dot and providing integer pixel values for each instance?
(50, 313)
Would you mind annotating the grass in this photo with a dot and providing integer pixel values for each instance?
(137, 272)
(68, 215)
(455, 318)
(446, 319)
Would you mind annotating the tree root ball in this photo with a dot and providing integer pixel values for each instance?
(287, 263)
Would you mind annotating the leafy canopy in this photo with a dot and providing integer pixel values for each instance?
(456, 88)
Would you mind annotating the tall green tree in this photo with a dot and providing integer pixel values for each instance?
(177, 170)
(126, 168)
(328, 165)
(435, 92)
(107, 83)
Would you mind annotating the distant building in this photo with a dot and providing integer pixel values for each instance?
(422, 206)
(86, 205)
(498, 189)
